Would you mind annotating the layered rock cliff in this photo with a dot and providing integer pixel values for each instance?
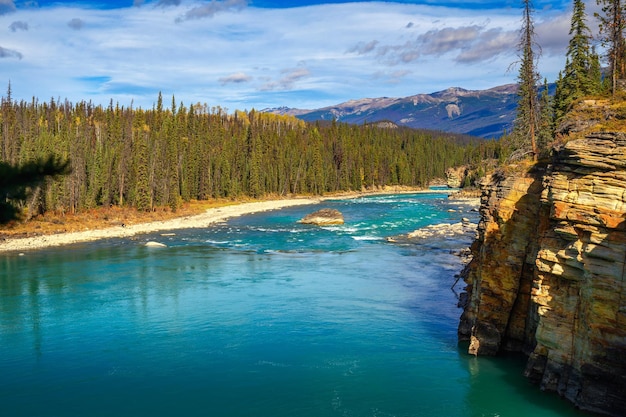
(548, 272)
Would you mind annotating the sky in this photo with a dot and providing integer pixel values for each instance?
(258, 54)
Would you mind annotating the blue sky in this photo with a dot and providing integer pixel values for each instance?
(240, 54)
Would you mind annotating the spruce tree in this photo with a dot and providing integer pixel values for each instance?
(612, 26)
(526, 123)
(546, 122)
(581, 74)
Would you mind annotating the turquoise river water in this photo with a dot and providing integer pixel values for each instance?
(259, 316)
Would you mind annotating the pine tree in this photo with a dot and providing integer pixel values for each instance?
(546, 122)
(526, 122)
(581, 75)
(612, 24)
(596, 69)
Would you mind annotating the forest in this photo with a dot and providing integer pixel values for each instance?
(165, 156)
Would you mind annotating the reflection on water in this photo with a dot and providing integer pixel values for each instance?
(260, 316)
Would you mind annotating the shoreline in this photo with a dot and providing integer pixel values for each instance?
(209, 217)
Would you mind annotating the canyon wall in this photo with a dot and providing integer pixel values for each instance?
(547, 274)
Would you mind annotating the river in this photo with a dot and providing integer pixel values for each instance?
(259, 316)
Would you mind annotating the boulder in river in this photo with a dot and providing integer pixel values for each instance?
(155, 244)
(323, 217)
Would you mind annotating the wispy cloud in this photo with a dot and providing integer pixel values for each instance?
(287, 80)
(472, 44)
(167, 3)
(18, 25)
(211, 8)
(488, 45)
(9, 53)
(466, 45)
(363, 48)
(393, 77)
(76, 23)
(237, 78)
(441, 41)
(553, 33)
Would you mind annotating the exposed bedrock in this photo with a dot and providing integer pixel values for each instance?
(547, 275)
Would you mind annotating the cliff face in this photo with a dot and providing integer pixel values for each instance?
(547, 276)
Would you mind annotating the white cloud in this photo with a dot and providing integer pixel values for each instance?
(18, 25)
(441, 41)
(487, 45)
(237, 78)
(9, 53)
(287, 79)
(237, 56)
(211, 8)
(364, 48)
(76, 23)
(553, 33)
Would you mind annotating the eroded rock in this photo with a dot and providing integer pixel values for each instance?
(547, 275)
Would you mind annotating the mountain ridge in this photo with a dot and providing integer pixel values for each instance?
(484, 113)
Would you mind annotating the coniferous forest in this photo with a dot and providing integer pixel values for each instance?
(165, 156)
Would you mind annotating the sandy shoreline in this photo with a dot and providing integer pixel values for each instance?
(205, 219)
(209, 217)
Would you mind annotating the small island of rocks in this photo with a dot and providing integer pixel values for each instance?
(323, 217)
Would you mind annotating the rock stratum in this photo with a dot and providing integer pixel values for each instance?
(547, 276)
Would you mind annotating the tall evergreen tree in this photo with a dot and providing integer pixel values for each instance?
(596, 69)
(612, 24)
(142, 192)
(546, 122)
(581, 75)
(527, 119)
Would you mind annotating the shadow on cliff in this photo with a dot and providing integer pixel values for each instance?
(500, 275)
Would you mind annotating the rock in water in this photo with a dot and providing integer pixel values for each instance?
(156, 244)
(323, 217)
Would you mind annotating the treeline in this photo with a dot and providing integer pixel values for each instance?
(162, 157)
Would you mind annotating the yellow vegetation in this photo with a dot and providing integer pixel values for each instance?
(596, 114)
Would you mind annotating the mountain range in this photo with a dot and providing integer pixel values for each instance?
(483, 113)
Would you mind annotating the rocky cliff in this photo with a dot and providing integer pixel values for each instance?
(547, 276)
